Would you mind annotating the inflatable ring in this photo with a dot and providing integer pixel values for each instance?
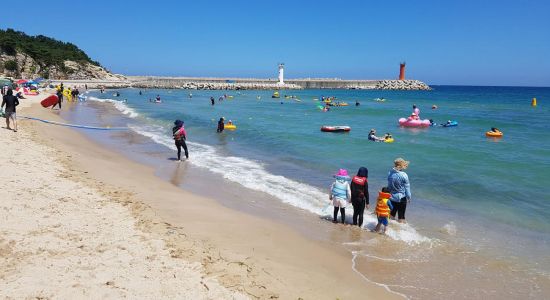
(494, 134)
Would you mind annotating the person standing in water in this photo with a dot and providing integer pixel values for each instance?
(360, 195)
(180, 136)
(221, 125)
(399, 188)
(383, 208)
(212, 100)
(339, 194)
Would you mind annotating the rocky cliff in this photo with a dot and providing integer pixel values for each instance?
(25, 56)
(22, 65)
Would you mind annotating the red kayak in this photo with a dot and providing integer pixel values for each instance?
(51, 100)
(335, 129)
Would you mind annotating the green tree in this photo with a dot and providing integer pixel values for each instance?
(47, 52)
(10, 65)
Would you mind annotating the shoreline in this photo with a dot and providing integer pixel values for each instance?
(450, 243)
(300, 269)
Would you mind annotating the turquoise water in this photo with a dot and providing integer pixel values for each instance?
(457, 174)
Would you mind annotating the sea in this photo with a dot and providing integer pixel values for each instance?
(478, 223)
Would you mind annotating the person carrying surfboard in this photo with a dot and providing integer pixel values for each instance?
(59, 99)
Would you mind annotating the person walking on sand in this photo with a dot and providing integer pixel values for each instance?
(399, 188)
(180, 136)
(360, 195)
(10, 101)
(59, 95)
(340, 193)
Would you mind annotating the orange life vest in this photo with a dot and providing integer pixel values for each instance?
(382, 208)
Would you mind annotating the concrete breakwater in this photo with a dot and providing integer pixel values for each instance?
(203, 83)
(209, 84)
(271, 84)
(401, 85)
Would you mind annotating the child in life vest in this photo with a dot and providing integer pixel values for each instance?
(340, 193)
(383, 209)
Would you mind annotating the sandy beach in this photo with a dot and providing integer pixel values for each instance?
(82, 221)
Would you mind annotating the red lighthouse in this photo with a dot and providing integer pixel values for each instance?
(402, 71)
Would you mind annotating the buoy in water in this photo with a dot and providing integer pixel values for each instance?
(534, 102)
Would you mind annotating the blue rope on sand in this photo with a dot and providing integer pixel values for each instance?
(75, 125)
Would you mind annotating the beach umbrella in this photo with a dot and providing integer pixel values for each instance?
(4, 82)
(20, 81)
(39, 79)
(30, 83)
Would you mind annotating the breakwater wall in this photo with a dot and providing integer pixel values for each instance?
(204, 83)
(269, 84)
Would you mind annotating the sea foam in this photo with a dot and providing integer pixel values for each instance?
(119, 105)
(253, 175)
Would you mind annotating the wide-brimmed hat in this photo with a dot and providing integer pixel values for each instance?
(342, 172)
(400, 163)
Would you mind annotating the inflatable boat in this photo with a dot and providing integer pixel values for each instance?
(335, 128)
(409, 122)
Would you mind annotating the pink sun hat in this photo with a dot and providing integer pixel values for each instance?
(342, 172)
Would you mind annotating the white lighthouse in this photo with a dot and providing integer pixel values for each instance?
(281, 74)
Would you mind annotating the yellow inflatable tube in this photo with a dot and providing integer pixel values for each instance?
(494, 134)
(230, 127)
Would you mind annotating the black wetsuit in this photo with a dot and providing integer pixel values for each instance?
(221, 126)
(359, 195)
(180, 143)
(212, 100)
(59, 99)
(10, 101)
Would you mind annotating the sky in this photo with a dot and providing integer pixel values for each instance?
(482, 42)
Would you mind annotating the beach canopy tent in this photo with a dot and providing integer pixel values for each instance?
(30, 83)
(20, 81)
(5, 82)
(39, 79)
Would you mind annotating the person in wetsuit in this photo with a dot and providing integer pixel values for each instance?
(59, 98)
(10, 101)
(360, 195)
(221, 126)
(212, 100)
(180, 136)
